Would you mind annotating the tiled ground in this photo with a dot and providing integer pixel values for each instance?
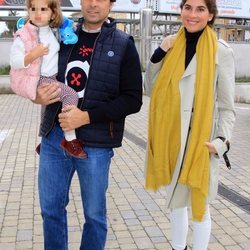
(137, 218)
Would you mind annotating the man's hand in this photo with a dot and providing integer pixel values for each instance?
(72, 118)
(211, 148)
(47, 93)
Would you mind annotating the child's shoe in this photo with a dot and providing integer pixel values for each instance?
(38, 148)
(74, 148)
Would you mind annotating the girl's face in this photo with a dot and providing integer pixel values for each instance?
(39, 13)
(195, 15)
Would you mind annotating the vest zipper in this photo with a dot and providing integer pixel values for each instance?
(90, 66)
(41, 59)
(53, 123)
(86, 84)
(111, 129)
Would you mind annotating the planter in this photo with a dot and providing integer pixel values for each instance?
(5, 85)
(242, 93)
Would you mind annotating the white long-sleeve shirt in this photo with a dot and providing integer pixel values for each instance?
(49, 65)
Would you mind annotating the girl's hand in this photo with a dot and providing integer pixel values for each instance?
(40, 50)
(211, 148)
(35, 53)
(168, 42)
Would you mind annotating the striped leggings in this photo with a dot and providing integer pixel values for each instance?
(67, 95)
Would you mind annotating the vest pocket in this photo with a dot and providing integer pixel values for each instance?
(111, 129)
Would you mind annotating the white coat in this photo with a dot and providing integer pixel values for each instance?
(178, 195)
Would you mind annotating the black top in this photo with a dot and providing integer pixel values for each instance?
(191, 42)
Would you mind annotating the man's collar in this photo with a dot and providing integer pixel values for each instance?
(93, 31)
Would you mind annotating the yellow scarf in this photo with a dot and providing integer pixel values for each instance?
(164, 137)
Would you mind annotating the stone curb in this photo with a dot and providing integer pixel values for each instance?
(242, 91)
(5, 85)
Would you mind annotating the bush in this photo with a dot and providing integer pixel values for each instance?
(4, 70)
(242, 80)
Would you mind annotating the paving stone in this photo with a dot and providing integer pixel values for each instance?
(24, 235)
(245, 245)
(8, 246)
(24, 245)
(153, 231)
(143, 243)
(128, 246)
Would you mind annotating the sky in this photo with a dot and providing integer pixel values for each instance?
(3, 26)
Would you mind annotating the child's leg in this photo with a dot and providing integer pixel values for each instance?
(71, 144)
(68, 96)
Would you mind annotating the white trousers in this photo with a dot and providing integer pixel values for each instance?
(179, 229)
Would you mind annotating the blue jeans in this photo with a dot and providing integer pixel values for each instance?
(56, 170)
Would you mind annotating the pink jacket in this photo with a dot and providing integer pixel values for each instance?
(24, 81)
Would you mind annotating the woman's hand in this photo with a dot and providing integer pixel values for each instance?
(47, 93)
(211, 148)
(168, 42)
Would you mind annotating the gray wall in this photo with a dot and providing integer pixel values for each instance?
(242, 56)
(241, 50)
(5, 45)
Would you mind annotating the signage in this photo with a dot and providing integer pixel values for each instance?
(234, 8)
(129, 5)
(119, 5)
(226, 8)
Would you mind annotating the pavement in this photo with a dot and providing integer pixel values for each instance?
(137, 219)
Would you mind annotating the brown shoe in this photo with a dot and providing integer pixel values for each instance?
(38, 148)
(74, 148)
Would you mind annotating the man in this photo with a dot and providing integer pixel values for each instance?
(104, 68)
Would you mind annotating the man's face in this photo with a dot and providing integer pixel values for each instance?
(95, 12)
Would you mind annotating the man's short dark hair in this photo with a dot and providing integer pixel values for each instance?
(112, 0)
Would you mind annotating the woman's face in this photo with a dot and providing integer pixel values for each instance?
(195, 15)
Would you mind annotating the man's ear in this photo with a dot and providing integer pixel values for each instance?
(53, 16)
(111, 6)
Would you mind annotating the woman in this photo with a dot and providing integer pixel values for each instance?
(191, 118)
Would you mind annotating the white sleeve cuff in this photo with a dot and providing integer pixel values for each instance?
(220, 146)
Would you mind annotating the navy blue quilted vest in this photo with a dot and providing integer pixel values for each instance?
(102, 86)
